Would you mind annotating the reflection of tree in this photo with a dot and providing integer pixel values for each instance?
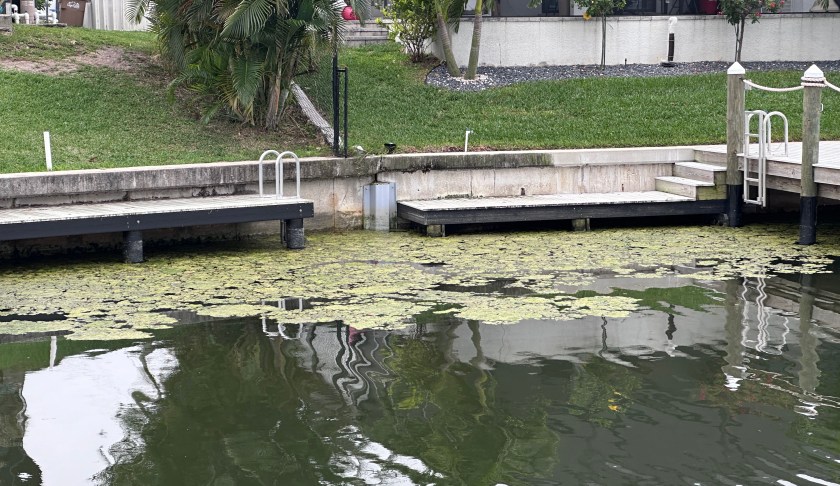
(602, 390)
(454, 421)
(13, 459)
(219, 421)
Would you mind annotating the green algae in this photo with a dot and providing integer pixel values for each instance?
(367, 279)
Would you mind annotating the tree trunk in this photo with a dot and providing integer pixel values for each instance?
(446, 42)
(739, 38)
(603, 42)
(272, 116)
(472, 67)
(496, 8)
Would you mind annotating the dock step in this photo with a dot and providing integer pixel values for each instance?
(710, 157)
(552, 207)
(716, 174)
(690, 188)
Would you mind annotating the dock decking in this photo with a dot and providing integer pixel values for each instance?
(552, 207)
(132, 217)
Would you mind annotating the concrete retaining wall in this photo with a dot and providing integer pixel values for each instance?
(336, 185)
(531, 41)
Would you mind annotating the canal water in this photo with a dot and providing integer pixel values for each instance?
(679, 368)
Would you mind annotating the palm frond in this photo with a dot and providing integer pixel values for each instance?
(135, 10)
(246, 77)
(248, 19)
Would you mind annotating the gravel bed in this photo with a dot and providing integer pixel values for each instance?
(492, 77)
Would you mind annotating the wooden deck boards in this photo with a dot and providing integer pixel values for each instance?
(76, 219)
(552, 207)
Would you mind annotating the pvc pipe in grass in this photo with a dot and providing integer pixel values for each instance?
(48, 150)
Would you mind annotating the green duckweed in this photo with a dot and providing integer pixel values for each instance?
(368, 279)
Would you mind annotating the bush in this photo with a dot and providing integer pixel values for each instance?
(413, 23)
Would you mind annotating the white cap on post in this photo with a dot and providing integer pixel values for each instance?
(813, 76)
(736, 68)
(672, 24)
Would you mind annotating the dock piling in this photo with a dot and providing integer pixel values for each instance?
(813, 81)
(293, 234)
(735, 128)
(133, 246)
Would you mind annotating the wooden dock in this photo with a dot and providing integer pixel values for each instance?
(784, 172)
(693, 188)
(133, 217)
(552, 207)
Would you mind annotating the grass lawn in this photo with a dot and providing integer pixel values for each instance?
(390, 102)
(100, 117)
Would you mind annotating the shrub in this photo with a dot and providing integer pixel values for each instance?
(413, 24)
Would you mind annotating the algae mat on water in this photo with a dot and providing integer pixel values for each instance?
(367, 279)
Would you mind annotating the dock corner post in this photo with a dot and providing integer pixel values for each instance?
(581, 224)
(436, 230)
(293, 234)
(813, 82)
(735, 129)
(133, 246)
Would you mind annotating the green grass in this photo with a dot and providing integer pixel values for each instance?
(389, 102)
(36, 43)
(100, 117)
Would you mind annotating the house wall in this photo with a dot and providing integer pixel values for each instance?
(530, 41)
(110, 15)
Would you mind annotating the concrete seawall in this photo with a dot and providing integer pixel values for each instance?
(336, 185)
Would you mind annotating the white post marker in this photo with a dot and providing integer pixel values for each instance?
(48, 150)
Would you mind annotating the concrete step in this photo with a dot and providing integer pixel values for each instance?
(363, 41)
(367, 32)
(708, 157)
(697, 190)
(716, 174)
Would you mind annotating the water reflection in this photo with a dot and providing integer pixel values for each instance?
(724, 384)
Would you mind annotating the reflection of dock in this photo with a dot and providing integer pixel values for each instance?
(344, 357)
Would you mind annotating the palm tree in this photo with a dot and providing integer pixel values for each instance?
(443, 17)
(472, 66)
(240, 56)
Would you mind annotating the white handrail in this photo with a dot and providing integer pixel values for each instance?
(769, 131)
(278, 173)
(297, 172)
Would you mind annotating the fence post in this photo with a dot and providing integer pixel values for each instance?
(813, 81)
(735, 106)
(335, 95)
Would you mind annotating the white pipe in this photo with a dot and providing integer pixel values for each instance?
(48, 150)
(467, 140)
(53, 350)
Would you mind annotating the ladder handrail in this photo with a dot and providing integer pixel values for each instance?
(765, 148)
(769, 130)
(761, 169)
(278, 172)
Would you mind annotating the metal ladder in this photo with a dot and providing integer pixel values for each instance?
(278, 173)
(763, 136)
